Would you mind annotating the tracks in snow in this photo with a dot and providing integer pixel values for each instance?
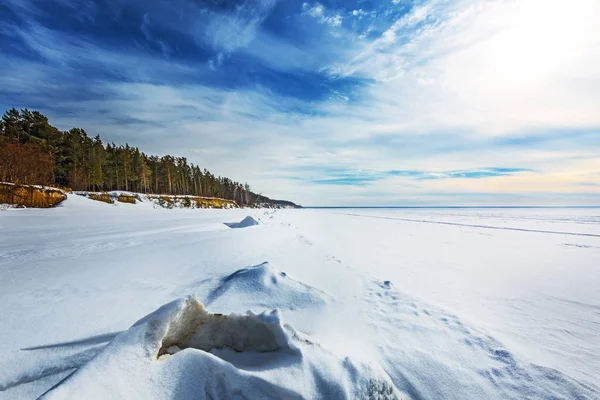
(475, 225)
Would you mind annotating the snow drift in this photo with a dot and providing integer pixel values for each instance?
(265, 286)
(246, 222)
(183, 351)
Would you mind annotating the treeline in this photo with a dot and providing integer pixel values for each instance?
(34, 152)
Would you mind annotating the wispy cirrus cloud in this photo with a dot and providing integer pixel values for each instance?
(342, 177)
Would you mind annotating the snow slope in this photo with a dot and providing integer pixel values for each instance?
(440, 304)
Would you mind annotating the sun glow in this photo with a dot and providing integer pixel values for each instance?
(541, 41)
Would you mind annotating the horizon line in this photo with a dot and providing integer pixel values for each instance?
(449, 206)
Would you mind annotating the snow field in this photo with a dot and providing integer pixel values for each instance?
(375, 304)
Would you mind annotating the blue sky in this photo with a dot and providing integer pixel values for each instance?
(329, 103)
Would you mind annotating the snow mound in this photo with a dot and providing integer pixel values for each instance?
(183, 351)
(246, 222)
(264, 286)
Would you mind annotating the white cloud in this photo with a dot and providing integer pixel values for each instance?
(230, 31)
(490, 67)
(450, 80)
(322, 15)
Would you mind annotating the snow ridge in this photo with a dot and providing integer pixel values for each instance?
(266, 286)
(183, 351)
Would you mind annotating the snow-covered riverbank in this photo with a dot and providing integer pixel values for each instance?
(442, 303)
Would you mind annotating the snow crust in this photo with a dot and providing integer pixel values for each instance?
(183, 351)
